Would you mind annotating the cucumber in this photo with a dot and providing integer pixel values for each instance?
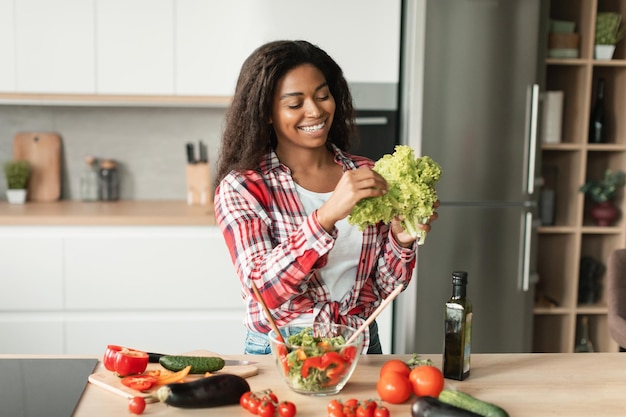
(426, 406)
(199, 364)
(468, 402)
(212, 391)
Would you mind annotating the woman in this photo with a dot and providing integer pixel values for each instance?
(285, 186)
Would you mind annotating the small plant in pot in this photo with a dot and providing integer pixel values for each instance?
(602, 192)
(609, 31)
(17, 173)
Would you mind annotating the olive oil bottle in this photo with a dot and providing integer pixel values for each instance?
(458, 330)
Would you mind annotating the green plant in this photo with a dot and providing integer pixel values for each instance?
(17, 173)
(609, 30)
(604, 189)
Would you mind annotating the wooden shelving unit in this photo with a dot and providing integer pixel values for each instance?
(574, 235)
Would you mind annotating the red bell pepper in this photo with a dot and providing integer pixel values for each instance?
(109, 357)
(139, 382)
(330, 364)
(130, 362)
(281, 351)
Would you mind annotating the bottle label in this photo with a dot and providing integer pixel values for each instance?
(467, 348)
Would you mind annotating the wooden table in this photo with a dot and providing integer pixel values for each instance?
(583, 384)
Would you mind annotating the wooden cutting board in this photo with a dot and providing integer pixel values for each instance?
(109, 381)
(43, 151)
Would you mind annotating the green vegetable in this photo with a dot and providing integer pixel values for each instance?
(214, 391)
(315, 362)
(432, 407)
(199, 364)
(411, 193)
(468, 402)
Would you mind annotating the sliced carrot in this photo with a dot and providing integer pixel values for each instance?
(301, 354)
(175, 377)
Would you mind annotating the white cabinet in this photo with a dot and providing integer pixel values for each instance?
(135, 46)
(77, 289)
(32, 272)
(54, 46)
(7, 46)
(213, 40)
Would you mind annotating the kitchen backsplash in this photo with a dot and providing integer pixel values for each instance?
(147, 142)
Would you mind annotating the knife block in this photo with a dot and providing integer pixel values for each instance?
(199, 184)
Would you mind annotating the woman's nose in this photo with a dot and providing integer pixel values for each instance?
(312, 109)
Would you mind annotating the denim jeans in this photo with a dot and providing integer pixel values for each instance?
(258, 343)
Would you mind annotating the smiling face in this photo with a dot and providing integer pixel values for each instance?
(303, 108)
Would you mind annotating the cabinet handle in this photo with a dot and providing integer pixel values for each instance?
(528, 230)
(532, 138)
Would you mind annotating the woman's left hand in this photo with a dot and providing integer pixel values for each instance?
(402, 237)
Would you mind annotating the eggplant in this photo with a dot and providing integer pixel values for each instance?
(212, 391)
(431, 407)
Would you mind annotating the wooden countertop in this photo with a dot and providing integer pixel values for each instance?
(116, 213)
(533, 385)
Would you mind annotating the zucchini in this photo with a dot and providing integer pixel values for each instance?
(212, 391)
(463, 400)
(199, 364)
(426, 406)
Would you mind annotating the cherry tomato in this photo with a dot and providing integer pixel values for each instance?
(426, 380)
(349, 410)
(243, 400)
(286, 409)
(334, 405)
(136, 405)
(381, 411)
(364, 411)
(268, 395)
(109, 357)
(394, 387)
(130, 362)
(265, 409)
(395, 365)
(139, 382)
(352, 402)
(253, 404)
(336, 413)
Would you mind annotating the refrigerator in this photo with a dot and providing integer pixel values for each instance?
(479, 121)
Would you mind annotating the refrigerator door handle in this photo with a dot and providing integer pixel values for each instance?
(528, 230)
(532, 136)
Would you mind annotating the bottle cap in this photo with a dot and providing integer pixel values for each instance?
(459, 278)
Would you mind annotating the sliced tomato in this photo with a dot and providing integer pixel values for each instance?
(139, 382)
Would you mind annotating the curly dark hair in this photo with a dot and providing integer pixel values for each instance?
(248, 135)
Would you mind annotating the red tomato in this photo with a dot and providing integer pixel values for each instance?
(394, 387)
(381, 412)
(334, 405)
(352, 402)
(243, 400)
(286, 409)
(265, 409)
(136, 405)
(109, 357)
(139, 382)
(395, 365)
(426, 380)
(364, 411)
(130, 362)
(253, 404)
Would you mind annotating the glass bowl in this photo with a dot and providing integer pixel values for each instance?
(315, 359)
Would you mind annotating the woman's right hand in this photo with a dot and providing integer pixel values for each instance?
(353, 186)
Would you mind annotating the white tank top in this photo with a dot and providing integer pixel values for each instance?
(339, 274)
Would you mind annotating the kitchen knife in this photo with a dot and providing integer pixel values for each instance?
(154, 358)
(204, 157)
(191, 157)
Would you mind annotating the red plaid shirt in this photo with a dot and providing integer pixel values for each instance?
(273, 243)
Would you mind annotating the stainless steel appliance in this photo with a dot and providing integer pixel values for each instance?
(479, 121)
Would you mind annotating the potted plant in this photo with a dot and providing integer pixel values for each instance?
(609, 32)
(602, 192)
(17, 173)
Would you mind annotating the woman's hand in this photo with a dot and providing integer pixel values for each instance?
(353, 186)
(406, 240)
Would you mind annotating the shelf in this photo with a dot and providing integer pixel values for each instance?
(98, 100)
(572, 235)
